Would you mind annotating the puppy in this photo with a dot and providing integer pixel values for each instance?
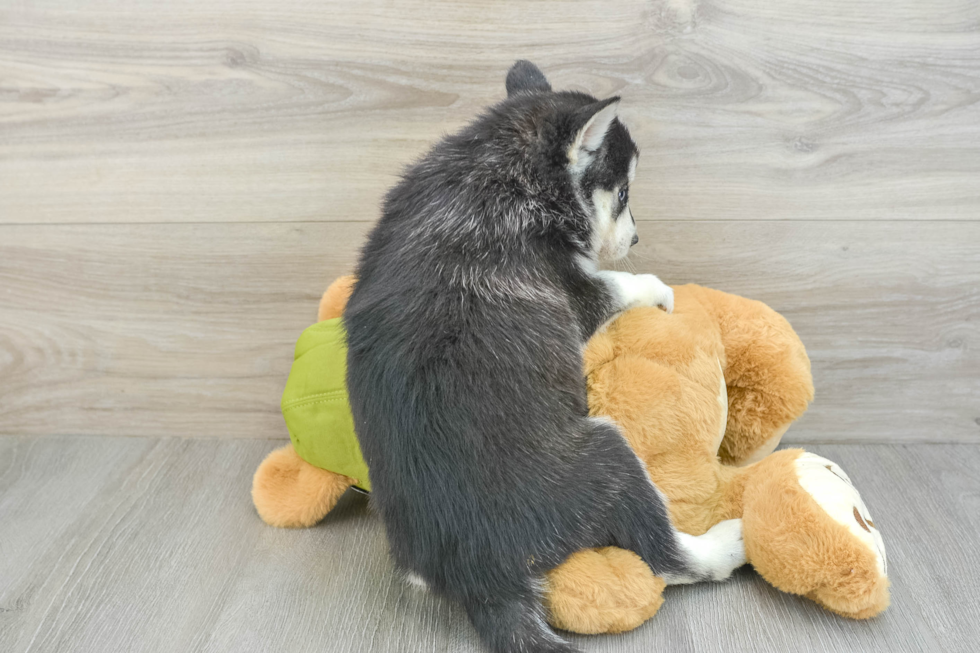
(476, 293)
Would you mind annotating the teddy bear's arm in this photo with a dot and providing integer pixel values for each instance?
(767, 373)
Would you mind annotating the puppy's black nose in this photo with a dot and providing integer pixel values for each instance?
(636, 239)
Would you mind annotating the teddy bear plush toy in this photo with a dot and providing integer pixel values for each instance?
(703, 395)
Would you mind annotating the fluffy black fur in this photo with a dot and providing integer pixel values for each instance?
(465, 335)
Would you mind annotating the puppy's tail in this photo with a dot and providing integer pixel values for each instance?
(515, 624)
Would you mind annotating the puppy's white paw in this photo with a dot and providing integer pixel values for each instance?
(655, 292)
(639, 290)
(725, 550)
(711, 556)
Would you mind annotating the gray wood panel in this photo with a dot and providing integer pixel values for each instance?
(141, 544)
(190, 111)
(187, 330)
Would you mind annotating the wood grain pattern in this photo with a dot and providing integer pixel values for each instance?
(162, 330)
(178, 184)
(240, 111)
(141, 544)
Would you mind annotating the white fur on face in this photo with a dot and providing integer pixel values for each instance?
(614, 227)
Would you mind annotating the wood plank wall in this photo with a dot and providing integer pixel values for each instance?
(180, 180)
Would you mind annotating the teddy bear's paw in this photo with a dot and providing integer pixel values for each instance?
(289, 492)
(833, 491)
(712, 556)
(607, 590)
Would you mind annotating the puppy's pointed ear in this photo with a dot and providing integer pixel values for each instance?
(594, 120)
(525, 77)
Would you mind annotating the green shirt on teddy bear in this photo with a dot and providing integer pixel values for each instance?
(315, 404)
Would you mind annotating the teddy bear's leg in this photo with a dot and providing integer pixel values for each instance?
(808, 532)
(335, 298)
(606, 590)
(289, 492)
(767, 374)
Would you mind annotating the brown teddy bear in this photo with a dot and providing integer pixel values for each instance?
(703, 395)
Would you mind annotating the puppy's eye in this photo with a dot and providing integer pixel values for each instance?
(623, 195)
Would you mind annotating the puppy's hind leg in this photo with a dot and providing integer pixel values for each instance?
(711, 556)
(680, 558)
(640, 522)
(514, 624)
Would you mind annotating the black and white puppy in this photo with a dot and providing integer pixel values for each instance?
(476, 293)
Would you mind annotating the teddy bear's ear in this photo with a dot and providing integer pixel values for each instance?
(335, 298)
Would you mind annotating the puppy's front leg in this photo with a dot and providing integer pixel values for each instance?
(632, 290)
(602, 295)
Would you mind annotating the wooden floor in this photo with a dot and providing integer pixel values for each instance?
(180, 180)
(147, 544)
